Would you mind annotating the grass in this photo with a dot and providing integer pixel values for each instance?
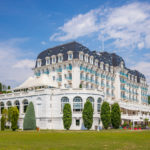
(75, 140)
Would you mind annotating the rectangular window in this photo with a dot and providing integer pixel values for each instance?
(81, 56)
(77, 122)
(47, 62)
(53, 78)
(70, 57)
(39, 63)
(60, 59)
(54, 60)
(53, 69)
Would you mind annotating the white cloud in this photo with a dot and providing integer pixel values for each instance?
(13, 69)
(81, 25)
(26, 63)
(127, 26)
(43, 43)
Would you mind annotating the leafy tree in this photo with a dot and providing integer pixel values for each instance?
(105, 115)
(9, 87)
(5, 113)
(29, 119)
(3, 122)
(14, 118)
(148, 99)
(4, 118)
(87, 114)
(10, 113)
(67, 116)
(115, 115)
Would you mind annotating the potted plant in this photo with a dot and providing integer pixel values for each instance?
(124, 126)
(139, 127)
(135, 127)
(130, 125)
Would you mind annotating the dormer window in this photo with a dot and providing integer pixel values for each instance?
(102, 65)
(70, 55)
(60, 58)
(91, 60)
(47, 60)
(86, 58)
(107, 67)
(39, 62)
(53, 59)
(96, 62)
(81, 55)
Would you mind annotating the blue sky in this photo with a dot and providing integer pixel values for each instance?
(28, 27)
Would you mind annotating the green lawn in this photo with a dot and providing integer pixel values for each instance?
(77, 140)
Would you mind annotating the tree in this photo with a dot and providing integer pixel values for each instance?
(3, 122)
(5, 113)
(10, 114)
(105, 115)
(0, 87)
(4, 118)
(9, 87)
(29, 119)
(148, 99)
(14, 118)
(67, 116)
(115, 115)
(87, 115)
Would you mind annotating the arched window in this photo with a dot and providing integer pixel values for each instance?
(99, 104)
(77, 104)
(1, 107)
(17, 104)
(91, 99)
(8, 104)
(64, 100)
(25, 105)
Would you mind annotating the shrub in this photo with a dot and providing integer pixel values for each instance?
(3, 121)
(80, 86)
(115, 115)
(87, 115)
(67, 116)
(105, 115)
(14, 118)
(29, 119)
(10, 113)
(4, 118)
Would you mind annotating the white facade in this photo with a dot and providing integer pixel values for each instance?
(73, 77)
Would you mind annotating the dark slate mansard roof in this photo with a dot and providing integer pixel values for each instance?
(108, 58)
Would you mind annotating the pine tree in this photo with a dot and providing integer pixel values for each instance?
(14, 118)
(4, 118)
(87, 115)
(105, 115)
(115, 115)
(3, 122)
(0, 87)
(29, 119)
(67, 116)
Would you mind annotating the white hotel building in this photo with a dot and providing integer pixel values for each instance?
(71, 73)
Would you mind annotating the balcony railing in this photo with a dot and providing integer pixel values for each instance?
(69, 78)
(69, 67)
(59, 70)
(59, 79)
